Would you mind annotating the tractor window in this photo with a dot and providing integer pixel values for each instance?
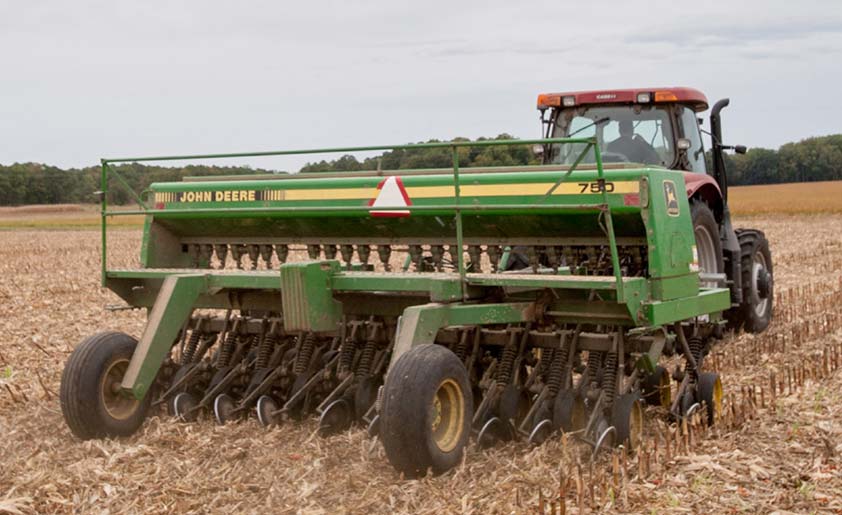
(633, 134)
(690, 130)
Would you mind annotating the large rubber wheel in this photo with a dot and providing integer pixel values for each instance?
(708, 244)
(627, 419)
(710, 393)
(755, 312)
(427, 411)
(91, 401)
(656, 388)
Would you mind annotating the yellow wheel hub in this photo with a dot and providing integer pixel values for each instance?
(448, 415)
(117, 405)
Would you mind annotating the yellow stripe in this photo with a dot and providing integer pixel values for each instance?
(332, 194)
(507, 190)
(468, 190)
(419, 192)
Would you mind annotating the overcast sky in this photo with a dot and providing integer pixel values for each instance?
(83, 79)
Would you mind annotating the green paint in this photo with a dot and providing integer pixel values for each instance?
(173, 305)
(307, 296)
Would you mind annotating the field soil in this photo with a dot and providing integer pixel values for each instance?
(775, 452)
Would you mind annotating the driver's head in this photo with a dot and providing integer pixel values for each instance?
(626, 128)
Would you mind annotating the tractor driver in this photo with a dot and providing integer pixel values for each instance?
(633, 146)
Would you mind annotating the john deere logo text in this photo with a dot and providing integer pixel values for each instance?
(671, 198)
(218, 196)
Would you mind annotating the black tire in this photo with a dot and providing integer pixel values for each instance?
(710, 393)
(656, 388)
(703, 220)
(627, 419)
(752, 314)
(423, 376)
(89, 406)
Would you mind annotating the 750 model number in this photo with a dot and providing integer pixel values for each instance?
(595, 187)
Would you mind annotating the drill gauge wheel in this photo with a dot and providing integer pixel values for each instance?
(92, 400)
(427, 411)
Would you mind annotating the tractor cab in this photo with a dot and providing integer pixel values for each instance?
(660, 127)
(642, 126)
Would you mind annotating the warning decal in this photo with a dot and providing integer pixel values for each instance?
(390, 194)
(671, 198)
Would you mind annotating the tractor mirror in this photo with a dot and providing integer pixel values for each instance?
(740, 149)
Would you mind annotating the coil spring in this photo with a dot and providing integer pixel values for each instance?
(696, 347)
(594, 362)
(264, 350)
(609, 378)
(305, 352)
(205, 343)
(556, 372)
(191, 347)
(546, 362)
(366, 358)
(227, 349)
(507, 361)
(461, 349)
(346, 356)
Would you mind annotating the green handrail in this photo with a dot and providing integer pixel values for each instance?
(590, 143)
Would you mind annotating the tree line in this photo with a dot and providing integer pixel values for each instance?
(812, 159)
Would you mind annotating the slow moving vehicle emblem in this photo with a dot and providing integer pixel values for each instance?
(390, 194)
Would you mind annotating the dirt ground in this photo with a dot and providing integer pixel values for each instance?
(778, 452)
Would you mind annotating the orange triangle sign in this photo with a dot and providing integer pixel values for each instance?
(390, 194)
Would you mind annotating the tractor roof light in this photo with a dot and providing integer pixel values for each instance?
(665, 96)
(644, 98)
(568, 101)
(548, 100)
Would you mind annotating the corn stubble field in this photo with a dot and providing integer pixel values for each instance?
(778, 447)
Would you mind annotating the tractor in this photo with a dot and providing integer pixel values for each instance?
(435, 307)
(660, 127)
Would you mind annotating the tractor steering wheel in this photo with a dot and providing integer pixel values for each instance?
(614, 157)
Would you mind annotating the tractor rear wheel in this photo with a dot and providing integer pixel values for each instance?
(92, 402)
(708, 244)
(427, 411)
(755, 311)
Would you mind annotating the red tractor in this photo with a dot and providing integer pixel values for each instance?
(660, 127)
